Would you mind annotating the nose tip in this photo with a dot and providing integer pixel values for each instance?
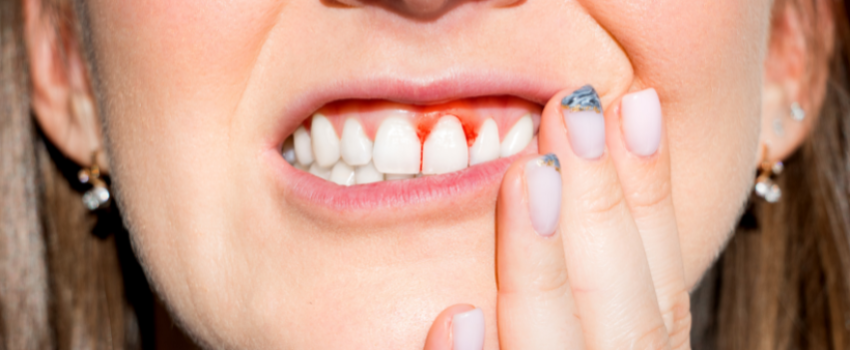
(422, 8)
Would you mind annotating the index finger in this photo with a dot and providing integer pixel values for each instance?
(535, 307)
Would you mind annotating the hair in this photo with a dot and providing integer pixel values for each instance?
(71, 281)
(783, 281)
(68, 279)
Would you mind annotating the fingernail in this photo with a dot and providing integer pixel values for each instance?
(641, 113)
(468, 330)
(543, 181)
(585, 123)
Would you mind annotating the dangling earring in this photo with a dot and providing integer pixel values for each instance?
(98, 196)
(765, 187)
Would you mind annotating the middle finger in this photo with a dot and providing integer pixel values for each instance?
(606, 262)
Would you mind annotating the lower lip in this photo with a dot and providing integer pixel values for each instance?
(454, 188)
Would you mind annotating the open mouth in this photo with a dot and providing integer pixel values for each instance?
(359, 142)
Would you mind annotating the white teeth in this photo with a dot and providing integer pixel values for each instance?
(391, 177)
(303, 146)
(325, 141)
(288, 151)
(368, 174)
(342, 174)
(446, 149)
(518, 137)
(486, 146)
(356, 147)
(397, 147)
(324, 173)
(397, 150)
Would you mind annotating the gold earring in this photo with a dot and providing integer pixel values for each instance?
(765, 187)
(98, 196)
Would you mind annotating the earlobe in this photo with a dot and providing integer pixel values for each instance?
(61, 97)
(795, 76)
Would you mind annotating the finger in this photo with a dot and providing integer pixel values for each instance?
(535, 306)
(608, 270)
(458, 327)
(642, 160)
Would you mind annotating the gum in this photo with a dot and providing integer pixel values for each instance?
(505, 111)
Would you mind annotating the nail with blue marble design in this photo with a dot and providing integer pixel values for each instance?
(550, 160)
(585, 123)
(583, 99)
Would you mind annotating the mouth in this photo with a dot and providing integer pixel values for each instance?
(359, 142)
(352, 154)
(363, 154)
(411, 146)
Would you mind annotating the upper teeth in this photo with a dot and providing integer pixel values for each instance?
(518, 137)
(397, 147)
(397, 152)
(303, 146)
(486, 146)
(445, 150)
(325, 141)
(356, 147)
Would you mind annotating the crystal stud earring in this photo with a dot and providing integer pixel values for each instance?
(98, 196)
(797, 112)
(765, 187)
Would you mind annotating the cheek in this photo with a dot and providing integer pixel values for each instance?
(713, 162)
(704, 57)
(172, 73)
(713, 117)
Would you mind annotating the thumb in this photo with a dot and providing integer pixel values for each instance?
(458, 327)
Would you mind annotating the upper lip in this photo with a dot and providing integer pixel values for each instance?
(446, 86)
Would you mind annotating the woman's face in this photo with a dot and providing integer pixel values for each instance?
(249, 251)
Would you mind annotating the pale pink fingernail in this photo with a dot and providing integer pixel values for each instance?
(468, 330)
(543, 181)
(585, 122)
(641, 113)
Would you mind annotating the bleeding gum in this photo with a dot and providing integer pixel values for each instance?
(505, 111)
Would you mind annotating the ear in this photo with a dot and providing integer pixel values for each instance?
(796, 72)
(61, 97)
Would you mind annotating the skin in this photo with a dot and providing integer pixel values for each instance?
(195, 94)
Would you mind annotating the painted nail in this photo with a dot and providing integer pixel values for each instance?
(585, 122)
(468, 330)
(641, 114)
(543, 182)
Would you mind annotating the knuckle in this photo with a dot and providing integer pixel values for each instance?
(650, 195)
(680, 313)
(551, 278)
(654, 338)
(602, 201)
(680, 339)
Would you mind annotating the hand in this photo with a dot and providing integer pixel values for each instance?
(601, 269)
